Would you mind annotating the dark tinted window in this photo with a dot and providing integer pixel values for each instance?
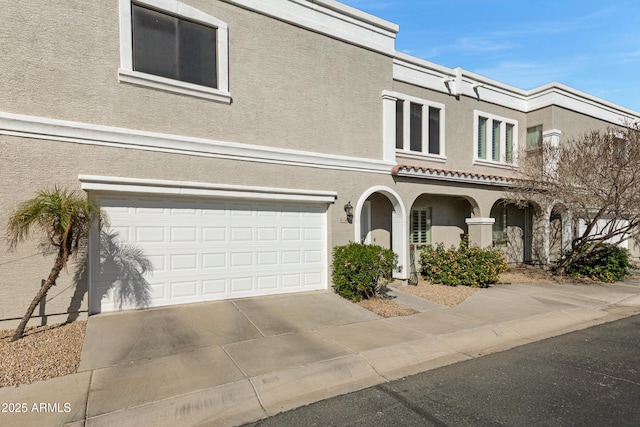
(415, 124)
(399, 124)
(175, 48)
(434, 130)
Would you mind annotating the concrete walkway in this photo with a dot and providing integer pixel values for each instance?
(232, 362)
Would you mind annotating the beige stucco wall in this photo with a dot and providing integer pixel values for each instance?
(291, 88)
(574, 125)
(381, 226)
(570, 123)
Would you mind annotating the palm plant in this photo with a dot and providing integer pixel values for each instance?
(64, 218)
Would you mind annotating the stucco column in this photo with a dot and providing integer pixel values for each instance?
(388, 127)
(480, 231)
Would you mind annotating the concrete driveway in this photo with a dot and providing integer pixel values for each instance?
(231, 362)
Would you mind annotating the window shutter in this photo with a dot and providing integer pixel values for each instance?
(420, 226)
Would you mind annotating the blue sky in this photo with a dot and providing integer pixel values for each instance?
(593, 46)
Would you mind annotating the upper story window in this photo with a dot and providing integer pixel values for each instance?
(495, 139)
(172, 47)
(419, 126)
(534, 137)
(167, 45)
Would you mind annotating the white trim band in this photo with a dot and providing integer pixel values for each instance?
(429, 75)
(331, 18)
(114, 184)
(84, 133)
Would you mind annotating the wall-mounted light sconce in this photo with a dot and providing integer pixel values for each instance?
(349, 210)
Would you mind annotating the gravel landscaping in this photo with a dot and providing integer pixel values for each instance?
(450, 296)
(386, 308)
(44, 352)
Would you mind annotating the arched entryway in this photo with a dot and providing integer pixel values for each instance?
(380, 218)
(437, 219)
(518, 231)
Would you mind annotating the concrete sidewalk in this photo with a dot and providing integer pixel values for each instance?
(232, 362)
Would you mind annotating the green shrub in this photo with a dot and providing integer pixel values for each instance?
(359, 270)
(467, 265)
(606, 263)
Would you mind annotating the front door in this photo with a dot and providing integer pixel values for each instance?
(528, 234)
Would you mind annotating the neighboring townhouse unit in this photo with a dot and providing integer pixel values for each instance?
(227, 139)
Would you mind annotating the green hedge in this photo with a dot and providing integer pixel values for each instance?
(606, 263)
(467, 265)
(359, 270)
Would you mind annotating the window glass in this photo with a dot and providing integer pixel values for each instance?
(509, 144)
(197, 53)
(482, 137)
(418, 126)
(534, 137)
(154, 39)
(434, 130)
(415, 127)
(174, 48)
(495, 141)
(499, 226)
(399, 124)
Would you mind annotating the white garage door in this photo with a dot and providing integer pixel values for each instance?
(203, 250)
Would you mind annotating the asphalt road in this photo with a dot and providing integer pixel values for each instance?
(585, 378)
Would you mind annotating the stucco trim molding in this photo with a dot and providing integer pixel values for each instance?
(436, 77)
(331, 18)
(114, 184)
(84, 133)
(480, 221)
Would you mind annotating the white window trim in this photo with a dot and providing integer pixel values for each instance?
(390, 124)
(126, 74)
(504, 121)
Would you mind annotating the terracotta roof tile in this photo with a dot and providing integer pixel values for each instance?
(435, 172)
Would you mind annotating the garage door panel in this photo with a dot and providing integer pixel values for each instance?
(266, 283)
(185, 289)
(212, 261)
(184, 234)
(204, 250)
(214, 288)
(214, 234)
(267, 258)
(241, 284)
(150, 235)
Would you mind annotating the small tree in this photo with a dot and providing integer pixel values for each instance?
(64, 219)
(596, 178)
